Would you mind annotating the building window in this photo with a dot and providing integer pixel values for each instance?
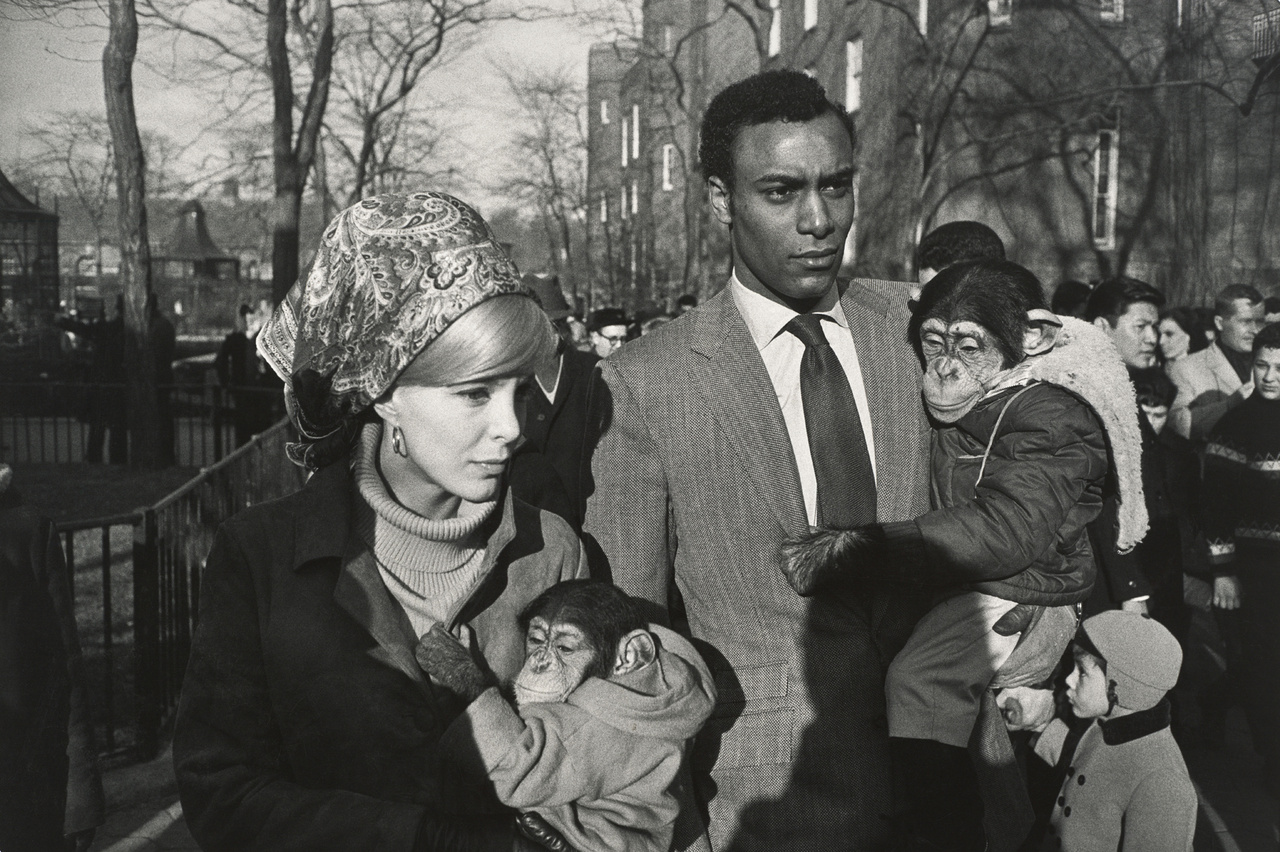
(668, 154)
(626, 148)
(635, 198)
(922, 17)
(635, 131)
(668, 39)
(622, 208)
(1106, 162)
(1000, 12)
(775, 27)
(604, 207)
(1112, 11)
(853, 75)
(604, 111)
(810, 14)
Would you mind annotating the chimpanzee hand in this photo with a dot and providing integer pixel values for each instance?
(450, 664)
(821, 556)
(534, 828)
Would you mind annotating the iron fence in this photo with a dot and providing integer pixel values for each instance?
(136, 624)
(1266, 35)
(58, 422)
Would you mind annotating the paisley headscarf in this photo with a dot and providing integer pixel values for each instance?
(391, 274)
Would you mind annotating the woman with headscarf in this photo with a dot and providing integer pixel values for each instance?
(305, 722)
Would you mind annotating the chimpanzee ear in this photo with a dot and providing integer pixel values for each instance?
(1042, 332)
(635, 651)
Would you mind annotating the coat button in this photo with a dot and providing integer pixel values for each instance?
(1066, 811)
(1071, 771)
(1062, 800)
(1080, 780)
(542, 417)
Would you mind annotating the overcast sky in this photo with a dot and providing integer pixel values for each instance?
(49, 67)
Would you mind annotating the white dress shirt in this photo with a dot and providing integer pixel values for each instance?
(782, 352)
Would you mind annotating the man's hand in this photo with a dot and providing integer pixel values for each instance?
(819, 557)
(1025, 708)
(1138, 605)
(1226, 592)
(450, 664)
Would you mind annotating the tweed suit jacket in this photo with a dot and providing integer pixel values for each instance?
(695, 487)
(1206, 383)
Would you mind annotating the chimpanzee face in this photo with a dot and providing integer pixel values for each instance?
(558, 657)
(961, 363)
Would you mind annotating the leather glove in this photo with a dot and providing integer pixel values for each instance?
(533, 828)
(1046, 632)
(451, 665)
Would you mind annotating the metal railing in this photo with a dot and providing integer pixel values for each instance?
(1266, 35)
(56, 422)
(136, 624)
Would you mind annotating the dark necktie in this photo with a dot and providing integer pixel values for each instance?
(846, 484)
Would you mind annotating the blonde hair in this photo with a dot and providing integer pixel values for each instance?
(503, 336)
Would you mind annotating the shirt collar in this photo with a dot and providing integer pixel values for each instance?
(766, 318)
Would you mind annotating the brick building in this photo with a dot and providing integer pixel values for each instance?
(1095, 138)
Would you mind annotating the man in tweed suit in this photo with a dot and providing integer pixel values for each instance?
(702, 468)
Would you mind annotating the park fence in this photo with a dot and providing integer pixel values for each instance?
(137, 619)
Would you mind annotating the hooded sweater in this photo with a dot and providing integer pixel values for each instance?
(598, 766)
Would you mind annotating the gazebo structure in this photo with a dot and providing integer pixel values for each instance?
(28, 256)
(190, 252)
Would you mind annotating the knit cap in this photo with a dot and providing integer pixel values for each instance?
(1142, 656)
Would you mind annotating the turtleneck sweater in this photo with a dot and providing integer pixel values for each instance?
(429, 566)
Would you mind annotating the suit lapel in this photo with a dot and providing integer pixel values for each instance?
(731, 376)
(881, 361)
(1223, 373)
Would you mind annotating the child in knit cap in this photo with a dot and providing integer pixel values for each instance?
(1126, 784)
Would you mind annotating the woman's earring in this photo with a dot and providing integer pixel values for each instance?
(397, 442)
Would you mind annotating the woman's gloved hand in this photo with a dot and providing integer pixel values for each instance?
(537, 834)
(451, 665)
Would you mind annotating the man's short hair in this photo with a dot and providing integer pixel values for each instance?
(779, 95)
(1267, 338)
(1069, 298)
(1113, 297)
(1271, 304)
(688, 300)
(1153, 387)
(1224, 305)
(956, 242)
(606, 317)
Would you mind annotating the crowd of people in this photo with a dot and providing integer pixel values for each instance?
(914, 563)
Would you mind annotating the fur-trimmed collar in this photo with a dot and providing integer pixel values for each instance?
(1085, 362)
(1125, 729)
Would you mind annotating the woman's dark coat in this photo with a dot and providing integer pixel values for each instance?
(305, 722)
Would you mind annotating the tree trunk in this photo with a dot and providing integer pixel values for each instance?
(145, 449)
(288, 190)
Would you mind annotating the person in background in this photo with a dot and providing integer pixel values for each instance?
(1127, 310)
(50, 785)
(1218, 378)
(108, 413)
(164, 344)
(240, 373)
(608, 327)
(1069, 298)
(1126, 785)
(1242, 522)
(305, 721)
(1180, 335)
(1271, 306)
(686, 303)
(955, 242)
(547, 468)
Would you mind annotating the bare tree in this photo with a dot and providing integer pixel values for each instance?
(135, 253)
(550, 157)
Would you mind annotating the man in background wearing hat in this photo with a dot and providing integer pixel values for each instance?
(1126, 784)
(608, 327)
(546, 470)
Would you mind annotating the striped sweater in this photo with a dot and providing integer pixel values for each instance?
(1242, 482)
